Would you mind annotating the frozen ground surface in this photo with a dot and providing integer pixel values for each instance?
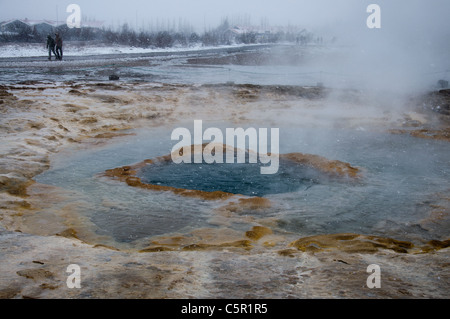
(76, 49)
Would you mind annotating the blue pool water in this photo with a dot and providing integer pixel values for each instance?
(401, 177)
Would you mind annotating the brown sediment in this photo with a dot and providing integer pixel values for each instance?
(432, 124)
(201, 239)
(258, 232)
(434, 245)
(195, 244)
(40, 214)
(342, 242)
(68, 233)
(15, 186)
(254, 203)
(4, 94)
(75, 92)
(255, 91)
(289, 252)
(155, 249)
(246, 204)
(89, 120)
(246, 94)
(368, 244)
(136, 182)
(112, 135)
(127, 174)
(5, 97)
(351, 243)
(105, 246)
(35, 274)
(332, 167)
(236, 244)
(441, 135)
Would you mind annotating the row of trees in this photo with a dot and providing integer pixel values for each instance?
(222, 35)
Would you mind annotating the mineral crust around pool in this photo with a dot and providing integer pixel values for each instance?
(235, 264)
(328, 168)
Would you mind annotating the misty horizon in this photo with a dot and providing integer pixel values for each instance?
(413, 41)
(201, 14)
(348, 15)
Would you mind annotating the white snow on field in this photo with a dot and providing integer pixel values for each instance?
(74, 49)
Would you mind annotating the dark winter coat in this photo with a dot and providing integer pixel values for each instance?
(50, 42)
(59, 41)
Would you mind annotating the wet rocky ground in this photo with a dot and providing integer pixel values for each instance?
(40, 119)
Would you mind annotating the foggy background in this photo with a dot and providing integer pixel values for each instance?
(202, 14)
(405, 15)
(410, 50)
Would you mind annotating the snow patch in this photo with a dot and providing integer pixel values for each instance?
(72, 49)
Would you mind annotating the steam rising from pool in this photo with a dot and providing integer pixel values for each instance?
(402, 176)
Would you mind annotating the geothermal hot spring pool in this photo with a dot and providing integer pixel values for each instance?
(401, 178)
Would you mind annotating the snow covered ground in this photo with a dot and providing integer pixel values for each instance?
(76, 49)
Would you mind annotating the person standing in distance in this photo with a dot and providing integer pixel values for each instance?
(51, 47)
(59, 44)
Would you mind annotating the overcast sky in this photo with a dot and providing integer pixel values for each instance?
(207, 13)
(200, 13)
(404, 15)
